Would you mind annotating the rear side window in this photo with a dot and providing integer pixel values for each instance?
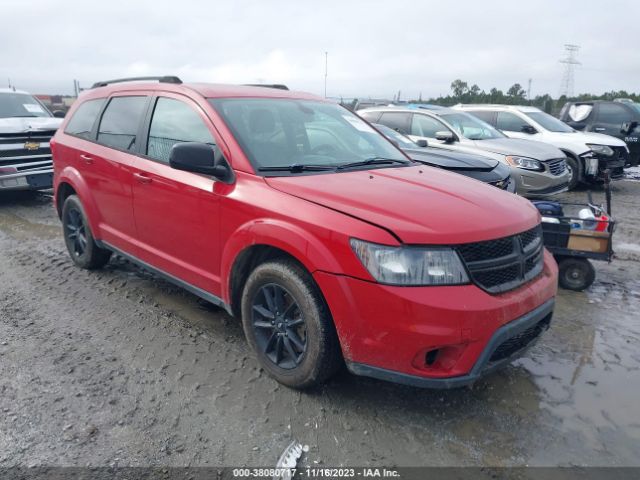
(174, 122)
(613, 113)
(120, 122)
(398, 121)
(370, 116)
(84, 117)
(510, 122)
(484, 115)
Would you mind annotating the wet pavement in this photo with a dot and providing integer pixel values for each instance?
(117, 367)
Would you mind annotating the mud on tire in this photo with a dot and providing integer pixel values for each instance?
(288, 325)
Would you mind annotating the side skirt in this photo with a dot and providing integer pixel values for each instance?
(197, 291)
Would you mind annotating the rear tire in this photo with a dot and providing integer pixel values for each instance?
(575, 273)
(288, 325)
(575, 171)
(78, 237)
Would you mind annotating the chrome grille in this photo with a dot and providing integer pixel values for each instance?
(13, 149)
(557, 167)
(506, 263)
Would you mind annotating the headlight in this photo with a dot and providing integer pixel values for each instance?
(411, 265)
(601, 149)
(524, 162)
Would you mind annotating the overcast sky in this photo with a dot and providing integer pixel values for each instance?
(375, 48)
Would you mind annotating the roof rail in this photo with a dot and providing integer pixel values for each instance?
(278, 86)
(162, 79)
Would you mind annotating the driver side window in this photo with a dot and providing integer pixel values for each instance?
(174, 122)
(424, 126)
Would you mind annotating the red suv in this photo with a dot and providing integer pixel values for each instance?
(297, 216)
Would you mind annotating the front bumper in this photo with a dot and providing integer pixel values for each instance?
(533, 184)
(391, 332)
(37, 178)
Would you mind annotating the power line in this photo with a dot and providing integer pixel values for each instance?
(569, 61)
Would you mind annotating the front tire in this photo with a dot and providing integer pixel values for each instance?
(81, 245)
(575, 172)
(288, 325)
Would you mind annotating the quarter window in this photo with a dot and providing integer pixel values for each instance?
(509, 122)
(398, 121)
(81, 124)
(120, 122)
(174, 122)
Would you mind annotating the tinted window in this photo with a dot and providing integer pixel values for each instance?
(613, 113)
(84, 117)
(509, 122)
(120, 121)
(471, 127)
(548, 122)
(423, 126)
(489, 117)
(174, 122)
(397, 120)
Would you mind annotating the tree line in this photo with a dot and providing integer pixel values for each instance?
(462, 92)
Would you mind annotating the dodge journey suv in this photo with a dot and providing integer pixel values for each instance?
(299, 218)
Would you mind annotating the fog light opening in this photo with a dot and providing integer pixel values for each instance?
(431, 357)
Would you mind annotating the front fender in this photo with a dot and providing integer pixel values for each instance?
(309, 250)
(72, 177)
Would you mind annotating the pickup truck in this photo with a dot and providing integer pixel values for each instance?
(26, 126)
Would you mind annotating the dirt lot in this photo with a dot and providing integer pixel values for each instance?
(118, 368)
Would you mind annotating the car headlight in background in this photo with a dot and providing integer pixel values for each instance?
(411, 266)
(524, 162)
(601, 149)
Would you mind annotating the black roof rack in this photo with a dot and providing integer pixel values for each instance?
(279, 86)
(163, 79)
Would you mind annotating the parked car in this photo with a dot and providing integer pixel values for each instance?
(26, 126)
(484, 169)
(295, 215)
(588, 154)
(538, 169)
(619, 119)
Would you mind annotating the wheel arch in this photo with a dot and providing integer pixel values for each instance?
(72, 183)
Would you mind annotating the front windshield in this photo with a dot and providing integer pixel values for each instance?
(20, 105)
(275, 132)
(391, 134)
(548, 122)
(471, 127)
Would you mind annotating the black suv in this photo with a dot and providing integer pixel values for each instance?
(617, 118)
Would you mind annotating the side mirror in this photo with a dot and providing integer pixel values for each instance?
(59, 113)
(528, 129)
(422, 143)
(200, 158)
(628, 127)
(445, 136)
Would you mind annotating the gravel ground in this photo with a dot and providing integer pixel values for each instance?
(119, 368)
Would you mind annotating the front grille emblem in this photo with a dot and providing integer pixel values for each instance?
(31, 145)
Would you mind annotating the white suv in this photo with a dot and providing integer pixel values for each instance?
(588, 154)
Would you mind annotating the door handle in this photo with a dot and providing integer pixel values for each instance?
(87, 158)
(140, 177)
(599, 129)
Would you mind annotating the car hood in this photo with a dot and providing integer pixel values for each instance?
(28, 124)
(516, 146)
(451, 160)
(598, 138)
(419, 204)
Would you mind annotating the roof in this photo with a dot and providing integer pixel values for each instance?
(207, 90)
(11, 90)
(520, 108)
(407, 108)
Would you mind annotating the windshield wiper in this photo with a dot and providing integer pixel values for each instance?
(373, 161)
(296, 168)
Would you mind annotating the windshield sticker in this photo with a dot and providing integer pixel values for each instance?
(357, 123)
(33, 108)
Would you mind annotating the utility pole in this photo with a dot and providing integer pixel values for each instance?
(569, 61)
(326, 64)
(529, 90)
